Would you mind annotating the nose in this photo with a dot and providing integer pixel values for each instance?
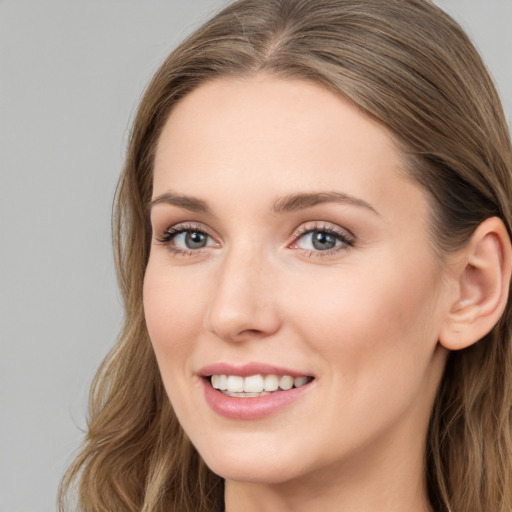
(243, 305)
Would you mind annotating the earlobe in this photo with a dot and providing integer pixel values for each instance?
(483, 276)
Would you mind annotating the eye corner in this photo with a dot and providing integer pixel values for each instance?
(186, 239)
(331, 239)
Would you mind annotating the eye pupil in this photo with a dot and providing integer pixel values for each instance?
(323, 241)
(195, 240)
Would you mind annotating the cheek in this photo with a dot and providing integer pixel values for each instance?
(174, 312)
(374, 334)
(371, 323)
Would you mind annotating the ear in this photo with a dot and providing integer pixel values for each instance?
(482, 275)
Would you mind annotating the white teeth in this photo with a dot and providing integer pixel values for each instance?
(271, 382)
(255, 385)
(223, 382)
(300, 381)
(235, 384)
(245, 395)
(286, 382)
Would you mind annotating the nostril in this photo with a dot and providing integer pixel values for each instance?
(253, 333)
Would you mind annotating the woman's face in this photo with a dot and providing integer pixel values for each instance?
(289, 247)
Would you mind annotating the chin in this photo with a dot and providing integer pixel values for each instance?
(270, 466)
(252, 473)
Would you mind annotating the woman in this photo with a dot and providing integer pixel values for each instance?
(313, 243)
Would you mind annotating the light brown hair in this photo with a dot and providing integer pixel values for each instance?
(409, 66)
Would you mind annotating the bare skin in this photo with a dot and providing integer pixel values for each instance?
(362, 313)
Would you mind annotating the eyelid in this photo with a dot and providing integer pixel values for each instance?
(184, 226)
(170, 233)
(345, 236)
(322, 226)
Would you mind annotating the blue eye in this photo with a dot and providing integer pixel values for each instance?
(325, 239)
(191, 240)
(320, 240)
(315, 240)
(186, 239)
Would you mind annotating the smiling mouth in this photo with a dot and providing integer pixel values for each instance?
(254, 386)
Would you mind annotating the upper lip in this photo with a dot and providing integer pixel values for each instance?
(247, 369)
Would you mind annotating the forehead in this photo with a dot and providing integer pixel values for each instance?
(265, 136)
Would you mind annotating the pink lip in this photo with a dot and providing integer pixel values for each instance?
(247, 369)
(249, 408)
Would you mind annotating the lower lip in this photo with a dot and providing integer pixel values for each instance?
(251, 408)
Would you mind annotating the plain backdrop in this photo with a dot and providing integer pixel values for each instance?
(71, 73)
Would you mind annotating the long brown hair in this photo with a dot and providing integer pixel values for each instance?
(411, 67)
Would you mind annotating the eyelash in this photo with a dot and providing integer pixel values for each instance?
(346, 238)
(172, 232)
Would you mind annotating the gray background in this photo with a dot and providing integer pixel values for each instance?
(71, 73)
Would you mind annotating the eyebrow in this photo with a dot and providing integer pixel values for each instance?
(187, 202)
(289, 203)
(294, 202)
